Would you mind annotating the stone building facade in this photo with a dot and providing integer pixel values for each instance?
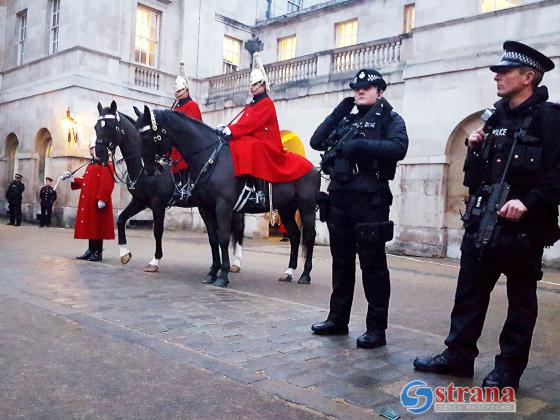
(435, 55)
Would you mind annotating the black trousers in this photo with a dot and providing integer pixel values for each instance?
(46, 213)
(346, 210)
(14, 207)
(96, 245)
(518, 259)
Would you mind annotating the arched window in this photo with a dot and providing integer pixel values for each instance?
(10, 155)
(43, 147)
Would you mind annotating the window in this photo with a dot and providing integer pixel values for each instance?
(21, 34)
(346, 33)
(55, 20)
(147, 36)
(286, 48)
(232, 54)
(409, 14)
(294, 5)
(487, 6)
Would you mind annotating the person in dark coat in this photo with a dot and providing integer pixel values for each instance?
(528, 221)
(14, 197)
(357, 208)
(47, 195)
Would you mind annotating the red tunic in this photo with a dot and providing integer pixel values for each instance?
(91, 222)
(190, 109)
(257, 149)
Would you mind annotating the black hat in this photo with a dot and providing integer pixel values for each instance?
(517, 54)
(17, 176)
(48, 178)
(368, 77)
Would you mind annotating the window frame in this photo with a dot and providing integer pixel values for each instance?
(294, 6)
(229, 66)
(409, 17)
(138, 51)
(344, 23)
(54, 29)
(490, 9)
(21, 33)
(279, 41)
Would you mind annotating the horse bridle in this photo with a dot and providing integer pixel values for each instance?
(130, 183)
(154, 127)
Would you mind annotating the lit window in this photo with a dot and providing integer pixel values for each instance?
(232, 54)
(409, 14)
(21, 32)
(55, 23)
(146, 41)
(487, 6)
(286, 48)
(346, 33)
(294, 5)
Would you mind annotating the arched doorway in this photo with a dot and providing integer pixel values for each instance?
(456, 191)
(10, 156)
(43, 148)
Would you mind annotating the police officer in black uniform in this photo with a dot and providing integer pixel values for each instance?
(528, 221)
(14, 197)
(47, 194)
(360, 164)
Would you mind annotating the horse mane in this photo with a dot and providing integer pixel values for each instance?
(173, 117)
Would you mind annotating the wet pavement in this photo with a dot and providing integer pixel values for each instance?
(102, 340)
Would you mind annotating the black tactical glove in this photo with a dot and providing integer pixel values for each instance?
(341, 111)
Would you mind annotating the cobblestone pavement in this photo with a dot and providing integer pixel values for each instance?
(258, 339)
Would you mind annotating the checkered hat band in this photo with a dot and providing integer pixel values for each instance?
(522, 58)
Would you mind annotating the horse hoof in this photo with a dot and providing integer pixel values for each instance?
(126, 258)
(234, 269)
(151, 268)
(221, 282)
(304, 279)
(209, 280)
(286, 278)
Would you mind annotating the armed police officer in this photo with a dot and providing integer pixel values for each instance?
(14, 196)
(522, 141)
(47, 195)
(363, 139)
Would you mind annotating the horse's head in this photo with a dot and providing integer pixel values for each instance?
(155, 140)
(108, 132)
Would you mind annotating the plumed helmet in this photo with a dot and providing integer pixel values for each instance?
(258, 74)
(182, 81)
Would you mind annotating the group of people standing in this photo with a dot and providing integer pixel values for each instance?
(363, 140)
(14, 196)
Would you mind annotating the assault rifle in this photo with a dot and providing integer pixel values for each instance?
(486, 206)
(336, 141)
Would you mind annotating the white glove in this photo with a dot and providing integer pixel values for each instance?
(67, 176)
(100, 204)
(221, 126)
(225, 131)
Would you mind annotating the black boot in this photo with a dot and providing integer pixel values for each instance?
(95, 256)
(85, 255)
(446, 365)
(371, 339)
(329, 328)
(500, 378)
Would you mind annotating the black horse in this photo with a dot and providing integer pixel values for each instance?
(115, 129)
(216, 188)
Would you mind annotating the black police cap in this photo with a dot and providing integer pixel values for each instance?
(48, 178)
(517, 54)
(18, 176)
(368, 77)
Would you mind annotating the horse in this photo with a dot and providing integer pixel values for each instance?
(154, 191)
(215, 186)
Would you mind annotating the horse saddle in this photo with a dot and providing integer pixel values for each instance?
(254, 197)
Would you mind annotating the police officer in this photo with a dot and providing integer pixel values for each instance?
(359, 200)
(47, 194)
(14, 197)
(528, 220)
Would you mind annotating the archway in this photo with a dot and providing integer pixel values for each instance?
(456, 191)
(43, 148)
(10, 148)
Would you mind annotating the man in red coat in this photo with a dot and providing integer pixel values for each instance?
(94, 220)
(184, 104)
(256, 146)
